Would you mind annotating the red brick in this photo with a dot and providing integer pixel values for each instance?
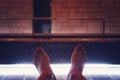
(16, 9)
(91, 8)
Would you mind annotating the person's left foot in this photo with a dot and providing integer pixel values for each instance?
(78, 60)
(42, 62)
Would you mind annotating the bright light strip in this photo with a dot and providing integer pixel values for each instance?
(60, 69)
(101, 69)
(18, 69)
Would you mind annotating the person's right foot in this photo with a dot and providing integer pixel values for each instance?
(78, 60)
(42, 62)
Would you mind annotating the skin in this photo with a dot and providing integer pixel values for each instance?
(78, 59)
(42, 62)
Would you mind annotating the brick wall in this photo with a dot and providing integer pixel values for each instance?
(73, 16)
(12, 13)
(86, 16)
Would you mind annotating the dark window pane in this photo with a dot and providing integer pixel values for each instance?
(42, 8)
(42, 26)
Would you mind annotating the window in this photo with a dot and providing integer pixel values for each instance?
(42, 9)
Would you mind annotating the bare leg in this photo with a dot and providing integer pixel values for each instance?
(78, 59)
(42, 62)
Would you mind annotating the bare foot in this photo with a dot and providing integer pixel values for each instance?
(42, 62)
(78, 60)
